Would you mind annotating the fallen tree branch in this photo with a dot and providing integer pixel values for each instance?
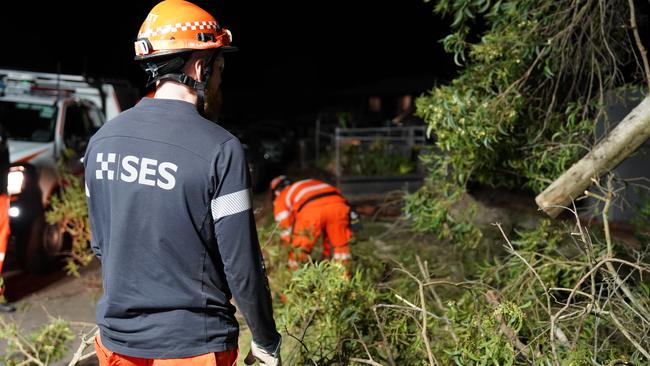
(492, 299)
(425, 337)
(639, 44)
(623, 140)
(629, 337)
(301, 343)
(367, 362)
(389, 353)
(365, 347)
(85, 342)
(546, 293)
(607, 200)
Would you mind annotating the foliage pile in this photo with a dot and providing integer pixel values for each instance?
(323, 310)
(69, 210)
(330, 317)
(41, 347)
(533, 81)
(555, 295)
(430, 209)
(555, 300)
(522, 108)
(377, 158)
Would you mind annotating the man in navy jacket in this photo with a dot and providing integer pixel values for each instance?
(170, 209)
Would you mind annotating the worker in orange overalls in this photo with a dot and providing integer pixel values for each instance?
(4, 213)
(305, 211)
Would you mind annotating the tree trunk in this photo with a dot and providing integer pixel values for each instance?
(623, 140)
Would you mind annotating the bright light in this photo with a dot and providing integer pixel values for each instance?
(15, 182)
(14, 212)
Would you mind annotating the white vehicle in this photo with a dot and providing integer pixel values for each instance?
(48, 118)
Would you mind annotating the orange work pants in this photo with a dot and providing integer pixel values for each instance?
(4, 227)
(108, 358)
(331, 220)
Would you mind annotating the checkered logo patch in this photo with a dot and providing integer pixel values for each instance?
(172, 28)
(106, 165)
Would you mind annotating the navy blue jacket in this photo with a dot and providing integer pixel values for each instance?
(170, 211)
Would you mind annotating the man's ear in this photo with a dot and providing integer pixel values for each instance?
(199, 66)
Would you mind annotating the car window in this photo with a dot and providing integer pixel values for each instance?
(96, 118)
(77, 128)
(28, 121)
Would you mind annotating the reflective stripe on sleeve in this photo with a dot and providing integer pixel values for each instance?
(231, 204)
(282, 215)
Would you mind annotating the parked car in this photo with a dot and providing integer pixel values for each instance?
(270, 148)
(277, 139)
(48, 118)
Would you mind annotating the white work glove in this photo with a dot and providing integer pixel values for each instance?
(265, 358)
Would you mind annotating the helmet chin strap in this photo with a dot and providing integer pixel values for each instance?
(159, 72)
(200, 87)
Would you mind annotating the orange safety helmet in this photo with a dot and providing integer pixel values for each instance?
(175, 26)
(172, 31)
(279, 182)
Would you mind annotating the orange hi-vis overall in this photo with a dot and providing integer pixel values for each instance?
(307, 210)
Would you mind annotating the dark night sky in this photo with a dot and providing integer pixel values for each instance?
(290, 49)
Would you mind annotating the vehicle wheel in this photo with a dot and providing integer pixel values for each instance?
(43, 246)
(56, 243)
(29, 244)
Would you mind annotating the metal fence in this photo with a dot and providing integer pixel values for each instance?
(384, 151)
